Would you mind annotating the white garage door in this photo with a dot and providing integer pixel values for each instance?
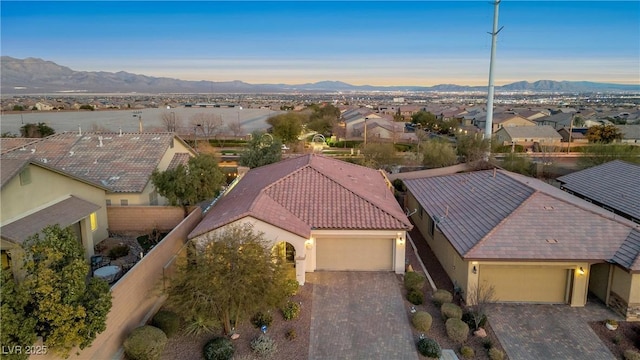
(535, 284)
(354, 254)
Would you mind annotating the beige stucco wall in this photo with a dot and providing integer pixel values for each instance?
(622, 283)
(47, 188)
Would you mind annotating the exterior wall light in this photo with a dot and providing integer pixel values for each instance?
(474, 270)
(581, 271)
(309, 243)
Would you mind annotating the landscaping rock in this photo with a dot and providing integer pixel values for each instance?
(480, 333)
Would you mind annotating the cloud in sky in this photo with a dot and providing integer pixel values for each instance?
(375, 43)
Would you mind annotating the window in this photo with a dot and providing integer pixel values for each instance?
(432, 226)
(25, 177)
(124, 202)
(94, 221)
(421, 211)
(108, 202)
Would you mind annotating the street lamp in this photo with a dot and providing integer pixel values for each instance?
(365, 131)
(195, 136)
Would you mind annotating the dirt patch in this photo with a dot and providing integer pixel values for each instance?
(625, 337)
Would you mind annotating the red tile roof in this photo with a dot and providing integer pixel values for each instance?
(309, 192)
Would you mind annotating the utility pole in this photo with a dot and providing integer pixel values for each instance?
(494, 36)
(365, 131)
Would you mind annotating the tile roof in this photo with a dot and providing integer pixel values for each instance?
(9, 169)
(309, 192)
(64, 213)
(510, 216)
(615, 184)
(544, 131)
(179, 159)
(629, 253)
(121, 162)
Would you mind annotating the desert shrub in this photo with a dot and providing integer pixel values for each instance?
(413, 281)
(263, 346)
(218, 348)
(290, 334)
(167, 321)
(291, 287)
(467, 352)
(198, 325)
(290, 310)
(442, 296)
(470, 318)
(496, 354)
(261, 318)
(422, 321)
(631, 355)
(429, 347)
(451, 311)
(119, 251)
(457, 330)
(416, 297)
(487, 343)
(145, 343)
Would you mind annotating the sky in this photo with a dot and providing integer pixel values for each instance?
(422, 43)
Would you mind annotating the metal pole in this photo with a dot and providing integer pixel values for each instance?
(494, 36)
(365, 131)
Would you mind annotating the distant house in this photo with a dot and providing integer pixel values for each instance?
(320, 213)
(502, 120)
(630, 134)
(557, 121)
(614, 186)
(530, 241)
(578, 135)
(527, 136)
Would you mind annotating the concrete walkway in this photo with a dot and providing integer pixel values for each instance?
(550, 331)
(359, 315)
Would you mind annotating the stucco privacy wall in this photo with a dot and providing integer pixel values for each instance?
(137, 295)
(143, 218)
(624, 295)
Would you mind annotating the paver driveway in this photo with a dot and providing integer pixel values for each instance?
(550, 331)
(359, 315)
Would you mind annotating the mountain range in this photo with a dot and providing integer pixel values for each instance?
(37, 76)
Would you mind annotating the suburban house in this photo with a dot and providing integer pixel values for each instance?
(557, 121)
(574, 135)
(357, 117)
(502, 120)
(325, 214)
(614, 186)
(630, 134)
(36, 195)
(530, 241)
(527, 136)
(121, 162)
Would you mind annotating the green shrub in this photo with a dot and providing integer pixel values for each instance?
(413, 281)
(261, 318)
(290, 334)
(496, 354)
(416, 297)
(290, 310)
(467, 352)
(631, 355)
(451, 311)
(442, 296)
(291, 287)
(167, 321)
(119, 251)
(472, 318)
(263, 346)
(457, 330)
(487, 343)
(198, 325)
(145, 343)
(218, 348)
(422, 320)
(429, 347)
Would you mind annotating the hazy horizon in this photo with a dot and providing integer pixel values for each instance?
(418, 43)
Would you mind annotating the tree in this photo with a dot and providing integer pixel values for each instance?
(471, 147)
(210, 124)
(480, 296)
(235, 128)
(436, 153)
(286, 127)
(39, 130)
(69, 311)
(17, 328)
(379, 155)
(230, 276)
(517, 163)
(605, 133)
(18, 108)
(201, 179)
(600, 153)
(170, 121)
(428, 121)
(323, 119)
(261, 150)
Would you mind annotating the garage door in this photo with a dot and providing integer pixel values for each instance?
(536, 284)
(354, 254)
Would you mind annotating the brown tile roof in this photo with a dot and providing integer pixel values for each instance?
(179, 159)
(64, 213)
(629, 253)
(309, 192)
(513, 217)
(121, 162)
(9, 169)
(7, 144)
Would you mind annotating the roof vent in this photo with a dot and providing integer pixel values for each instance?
(552, 241)
(548, 207)
(33, 151)
(71, 153)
